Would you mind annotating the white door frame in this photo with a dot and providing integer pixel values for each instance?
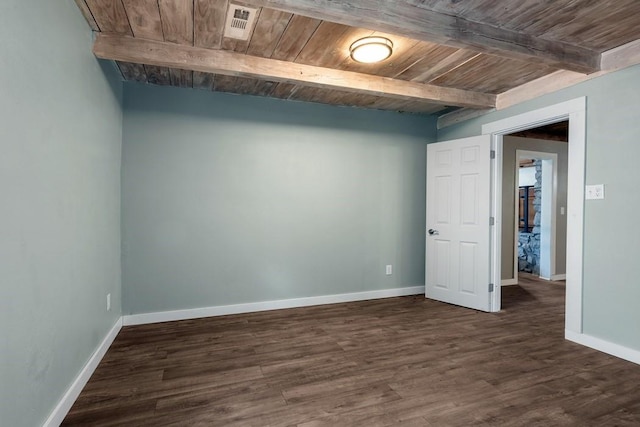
(575, 112)
(548, 213)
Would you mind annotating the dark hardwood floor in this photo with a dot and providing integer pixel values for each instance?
(407, 361)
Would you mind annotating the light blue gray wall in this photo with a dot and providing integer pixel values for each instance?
(60, 143)
(236, 199)
(611, 268)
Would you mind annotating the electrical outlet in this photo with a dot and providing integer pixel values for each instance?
(108, 302)
(594, 192)
(389, 270)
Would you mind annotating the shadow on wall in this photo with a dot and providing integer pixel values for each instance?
(254, 110)
(111, 73)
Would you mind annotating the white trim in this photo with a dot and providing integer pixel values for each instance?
(575, 111)
(508, 282)
(222, 310)
(599, 344)
(72, 393)
(495, 241)
(547, 115)
(575, 217)
(516, 218)
(554, 278)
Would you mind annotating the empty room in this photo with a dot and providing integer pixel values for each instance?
(308, 213)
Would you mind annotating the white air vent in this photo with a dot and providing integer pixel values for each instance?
(240, 21)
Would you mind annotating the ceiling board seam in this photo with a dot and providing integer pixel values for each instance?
(444, 73)
(307, 42)
(193, 22)
(127, 15)
(88, 9)
(161, 20)
(282, 35)
(413, 46)
(253, 30)
(250, 40)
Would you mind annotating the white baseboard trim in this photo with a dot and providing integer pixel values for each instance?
(194, 313)
(508, 282)
(65, 404)
(559, 277)
(617, 350)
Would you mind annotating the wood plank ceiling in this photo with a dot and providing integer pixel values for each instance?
(445, 53)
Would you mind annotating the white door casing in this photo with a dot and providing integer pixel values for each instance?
(458, 220)
(574, 111)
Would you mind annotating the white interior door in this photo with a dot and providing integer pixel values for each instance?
(458, 222)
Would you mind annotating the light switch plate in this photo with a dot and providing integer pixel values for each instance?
(594, 192)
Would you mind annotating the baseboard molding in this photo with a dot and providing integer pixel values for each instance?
(65, 404)
(509, 282)
(554, 277)
(168, 316)
(617, 350)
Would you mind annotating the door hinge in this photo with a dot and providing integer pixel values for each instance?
(492, 220)
(493, 154)
(490, 287)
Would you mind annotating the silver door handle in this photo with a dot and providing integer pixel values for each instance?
(433, 232)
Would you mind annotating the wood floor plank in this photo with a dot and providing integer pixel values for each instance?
(399, 361)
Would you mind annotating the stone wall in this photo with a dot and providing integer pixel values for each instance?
(529, 243)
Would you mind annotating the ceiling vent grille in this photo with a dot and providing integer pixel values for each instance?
(239, 22)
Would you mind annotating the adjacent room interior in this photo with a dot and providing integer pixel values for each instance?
(219, 213)
(539, 159)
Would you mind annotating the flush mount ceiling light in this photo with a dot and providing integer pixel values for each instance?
(371, 49)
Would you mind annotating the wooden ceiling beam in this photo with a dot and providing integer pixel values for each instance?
(163, 54)
(613, 60)
(409, 18)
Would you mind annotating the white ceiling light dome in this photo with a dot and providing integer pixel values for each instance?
(370, 50)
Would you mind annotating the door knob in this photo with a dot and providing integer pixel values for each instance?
(433, 232)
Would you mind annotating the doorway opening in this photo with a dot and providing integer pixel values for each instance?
(534, 196)
(574, 112)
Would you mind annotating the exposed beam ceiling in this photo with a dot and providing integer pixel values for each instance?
(156, 53)
(446, 53)
(412, 19)
(615, 59)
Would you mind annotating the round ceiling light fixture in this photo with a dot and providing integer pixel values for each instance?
(371, 49)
